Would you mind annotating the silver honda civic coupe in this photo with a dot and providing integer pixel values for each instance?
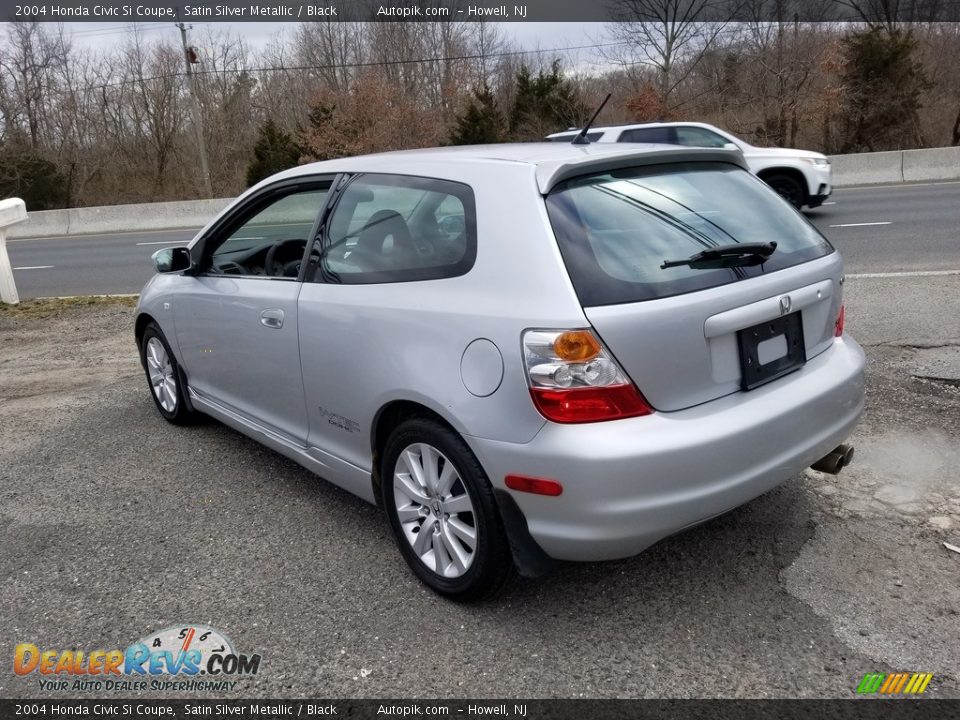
(523, 353)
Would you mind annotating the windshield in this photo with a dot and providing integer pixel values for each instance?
(615, 229)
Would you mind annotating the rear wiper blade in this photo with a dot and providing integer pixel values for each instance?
(726, 256)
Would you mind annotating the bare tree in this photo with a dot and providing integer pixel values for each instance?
(29, 67)
(670, 37)
(153, 105)
(488, 43)
(773, 75)
(375, 115)
(330, 49)
(225, 87)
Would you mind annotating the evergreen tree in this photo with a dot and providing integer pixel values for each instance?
(274, 151)
(882, 85)
(481, 123)
(32, 178)
(544, 103)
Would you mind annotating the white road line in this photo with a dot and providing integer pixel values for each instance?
(81, 236)
(896, 185)
(173, 243)
(33, 267)
(887, 222)
(914, 273)
(828, 203)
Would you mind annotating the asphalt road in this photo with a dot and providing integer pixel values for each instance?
(88, 264)
(114, 524)
(892, 228)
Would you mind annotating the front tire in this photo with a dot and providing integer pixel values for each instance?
(442, 511)
(788, 188)
(167, 387)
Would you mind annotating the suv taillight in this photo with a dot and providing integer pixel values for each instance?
(573, 379)
(838, 325)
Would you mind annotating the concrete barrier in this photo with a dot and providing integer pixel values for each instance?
(897, 166)
(927, 165)
(867, 168)
(120, 218)
(932, 164)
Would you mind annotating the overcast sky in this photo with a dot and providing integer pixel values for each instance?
(528, 35)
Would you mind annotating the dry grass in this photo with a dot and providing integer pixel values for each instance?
(52, 307)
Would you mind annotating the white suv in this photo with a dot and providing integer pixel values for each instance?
(801, 176)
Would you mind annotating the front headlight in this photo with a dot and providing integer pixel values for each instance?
(820, 161)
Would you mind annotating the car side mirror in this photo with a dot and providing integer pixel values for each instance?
(172, 259)
(731, 146)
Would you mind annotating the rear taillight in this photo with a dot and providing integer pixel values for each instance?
(838, 325)
(573, 379)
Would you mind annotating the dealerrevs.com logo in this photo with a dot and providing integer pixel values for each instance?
(185, 657)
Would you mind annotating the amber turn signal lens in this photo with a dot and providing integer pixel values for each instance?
(576, 346)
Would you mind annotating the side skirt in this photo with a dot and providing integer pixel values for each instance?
(351, 478)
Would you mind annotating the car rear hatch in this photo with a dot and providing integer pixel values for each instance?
(702, 328)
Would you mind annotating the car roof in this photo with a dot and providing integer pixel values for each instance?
(551, 162)
(630, 126)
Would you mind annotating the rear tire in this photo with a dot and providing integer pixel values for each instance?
(788, 188)
(442, 511)
(167, 383)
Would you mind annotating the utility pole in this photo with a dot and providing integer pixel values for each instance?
(191, 57)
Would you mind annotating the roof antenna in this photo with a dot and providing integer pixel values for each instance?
(581, 137)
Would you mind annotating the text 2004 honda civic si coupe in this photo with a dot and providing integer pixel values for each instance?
(522, 352)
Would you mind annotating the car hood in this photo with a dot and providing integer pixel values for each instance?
(776, 152)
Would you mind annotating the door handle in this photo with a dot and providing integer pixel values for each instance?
(272, 318)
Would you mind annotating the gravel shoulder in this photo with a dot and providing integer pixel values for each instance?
(114, 524)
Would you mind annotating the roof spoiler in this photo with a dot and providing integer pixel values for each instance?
(550, 173)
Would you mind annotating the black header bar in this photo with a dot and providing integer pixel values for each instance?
(862, 709)
(787, 11)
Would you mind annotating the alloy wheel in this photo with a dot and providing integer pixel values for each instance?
(162, 379)
(435, 510)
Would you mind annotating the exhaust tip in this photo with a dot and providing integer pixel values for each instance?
(834, 461)
(847, 454)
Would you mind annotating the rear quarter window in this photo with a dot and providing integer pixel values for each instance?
(400, 228)
(615, 229)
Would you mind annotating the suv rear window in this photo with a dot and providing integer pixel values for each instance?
(616, 228)
(665, 135)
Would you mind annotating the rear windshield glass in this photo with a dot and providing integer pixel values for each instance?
(616, 228)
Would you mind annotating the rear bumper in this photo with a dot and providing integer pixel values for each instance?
(629, 483)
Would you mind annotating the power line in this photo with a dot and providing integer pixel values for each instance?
(364, 64)
(126, 30)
